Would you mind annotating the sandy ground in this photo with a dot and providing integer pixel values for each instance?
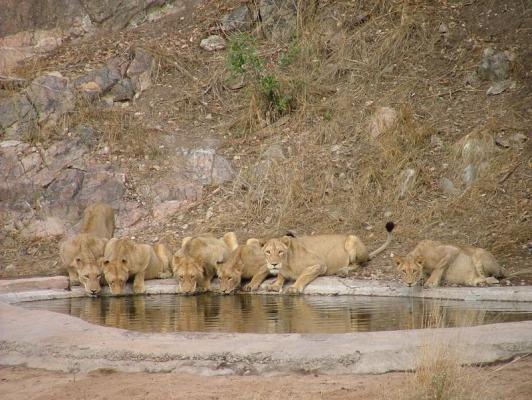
(503, 381)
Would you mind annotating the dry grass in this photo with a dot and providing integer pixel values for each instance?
(343, 62)
(440, 373)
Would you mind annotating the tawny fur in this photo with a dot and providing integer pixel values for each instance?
(205, 253)
(99, 220)
(80, 254)
(305, 258)
(246, 262)
(192, 274)
(463, 265)
(123, 259)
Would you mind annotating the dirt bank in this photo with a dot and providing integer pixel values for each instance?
(510, 382)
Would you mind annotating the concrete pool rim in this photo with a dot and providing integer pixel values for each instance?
(63, 342)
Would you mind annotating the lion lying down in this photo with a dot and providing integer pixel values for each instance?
(305, 258)
(123, 259)
(463, 265)
(194, 264)
(80, 254)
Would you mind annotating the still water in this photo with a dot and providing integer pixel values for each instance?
(281, 314)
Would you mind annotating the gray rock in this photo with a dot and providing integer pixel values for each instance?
(448, 188)
(469, 174)
(122, 91)
(500, 87)
(166, 209)
(174, 186)
(103, 185)
(278, 18)
(237, 20)
(212, 43)
(51, 96)
(407, 181)
(207, 167)
(98, 82)
(494, 65)
(15, 109)
(59, 197)
(140, 69)
(383, 120)
(44, 229)
(273, 152)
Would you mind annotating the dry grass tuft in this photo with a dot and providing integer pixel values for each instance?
(440, 373)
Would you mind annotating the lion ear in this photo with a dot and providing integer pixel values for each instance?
(419, 260)
(256, 242)
(398, 261)
(176, 260)
(185, 241)
(286, 240)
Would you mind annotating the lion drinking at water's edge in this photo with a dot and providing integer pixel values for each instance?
(123, 259)
(463, 265)
(80, 254)
(194, 264)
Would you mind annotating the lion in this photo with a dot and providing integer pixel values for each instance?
(247, 262)
(99, 220)
(123, 259)
(463, 265)
(305, 258)
(194, 264)
(80, 254)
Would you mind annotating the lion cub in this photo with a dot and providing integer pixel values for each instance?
(463, 265)
(248, 262)
(80, 254)
(123, 259)
(194, 264)
(305, 258)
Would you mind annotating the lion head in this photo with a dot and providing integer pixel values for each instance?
(87, 265)
(116, 273)
(229, 275)
(89, 273)
(276, 251)
(411, 269)
(188, 272)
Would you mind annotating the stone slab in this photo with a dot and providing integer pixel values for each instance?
(30, 284)
(329, 286)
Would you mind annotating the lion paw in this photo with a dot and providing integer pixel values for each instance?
(250, 288)
(273, 288)
(293, 290)
(430, 285)
(139, 289)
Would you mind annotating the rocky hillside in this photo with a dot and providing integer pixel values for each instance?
(274, 115)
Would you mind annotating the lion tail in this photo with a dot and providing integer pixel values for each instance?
(389, 236)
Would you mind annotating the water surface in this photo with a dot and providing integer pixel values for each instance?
(281, 314)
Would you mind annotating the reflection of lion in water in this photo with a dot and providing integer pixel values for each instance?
(80, 254)
(464, 265)
(194, 264)
(305, 258)
(123, 258)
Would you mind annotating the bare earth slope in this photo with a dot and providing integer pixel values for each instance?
(388, 119)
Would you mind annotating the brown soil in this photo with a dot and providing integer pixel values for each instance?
(513, 381)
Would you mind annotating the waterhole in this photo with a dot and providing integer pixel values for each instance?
(281, 314)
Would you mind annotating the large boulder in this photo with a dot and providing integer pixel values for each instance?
(30, 27)
(140, 69)
(51, 96)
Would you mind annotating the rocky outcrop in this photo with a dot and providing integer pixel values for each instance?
(29, 27)
(50, 96)
(44, 189)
